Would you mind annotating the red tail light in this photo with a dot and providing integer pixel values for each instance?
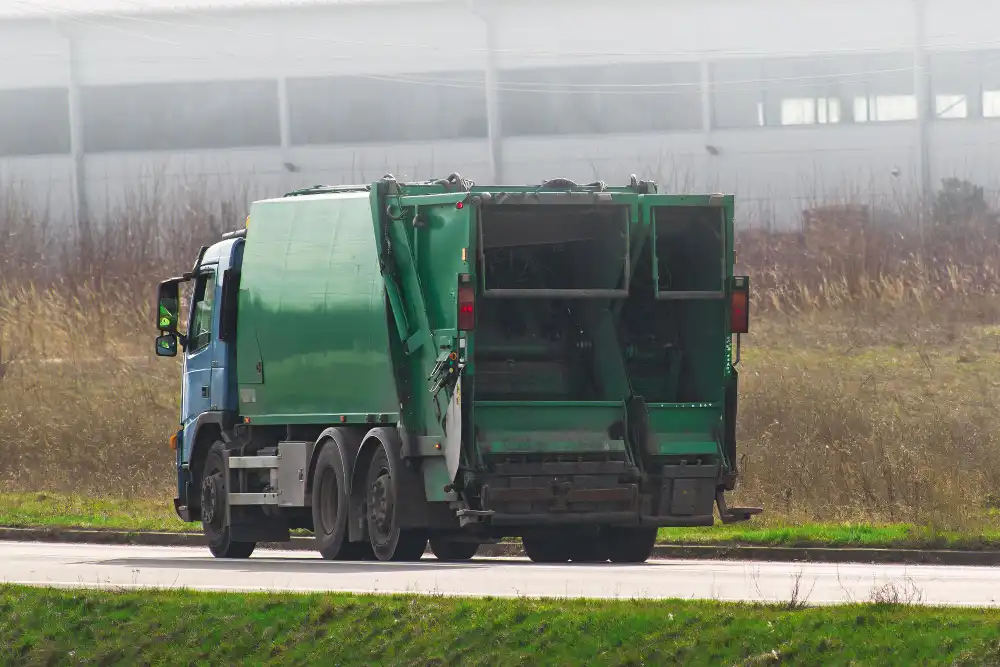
(740, 305)
(466, 303)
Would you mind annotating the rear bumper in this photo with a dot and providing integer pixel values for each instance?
(601, 519)
(609, 493)
(575, 519)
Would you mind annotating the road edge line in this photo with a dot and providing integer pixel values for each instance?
(661, 551)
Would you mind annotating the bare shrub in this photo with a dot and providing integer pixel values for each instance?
(894, 594)
(841, 258)
(83, 405)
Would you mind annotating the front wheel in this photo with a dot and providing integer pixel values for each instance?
(214, 499)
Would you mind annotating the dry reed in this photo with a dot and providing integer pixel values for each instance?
(868, 383)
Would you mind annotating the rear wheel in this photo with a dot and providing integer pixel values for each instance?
(388, 540)
(330, 502)
(451, 550)
(589, 549)
(214, 498)
(546, 548)
(631, 545)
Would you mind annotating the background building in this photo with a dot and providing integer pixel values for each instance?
(780, 101)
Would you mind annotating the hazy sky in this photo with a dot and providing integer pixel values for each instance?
(46, 7)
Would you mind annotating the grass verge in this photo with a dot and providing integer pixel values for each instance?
(55, 510)
(46, 626)
(50, 510)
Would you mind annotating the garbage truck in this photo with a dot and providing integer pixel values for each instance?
(399, 364)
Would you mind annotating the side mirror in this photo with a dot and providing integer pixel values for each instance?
(166, 345)
(168, 305)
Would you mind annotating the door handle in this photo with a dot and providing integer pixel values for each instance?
(204, 392)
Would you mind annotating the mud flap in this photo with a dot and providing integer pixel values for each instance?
(729, 435)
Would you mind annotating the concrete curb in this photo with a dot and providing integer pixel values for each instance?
(662, 551)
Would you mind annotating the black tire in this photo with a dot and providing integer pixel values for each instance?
(213, 508)
(589, 549)
(452, 550)
(631, 545)
(357, 551)
(388, 540)
(330, 507)
(547, 548)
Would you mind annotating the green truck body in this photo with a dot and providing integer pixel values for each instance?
(404, 362)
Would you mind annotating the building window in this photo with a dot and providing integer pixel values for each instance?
(958, 79)
(885, 108)
(810, 111)
(819, 90)
(860, 109)
(34, 121)
(951, 106)
(738, 94)
(991, 103)
(601, 99)
(383, 109)
(180, 116)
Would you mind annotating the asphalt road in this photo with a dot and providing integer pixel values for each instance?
(76, 565)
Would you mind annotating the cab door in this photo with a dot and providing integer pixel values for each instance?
(197, 389)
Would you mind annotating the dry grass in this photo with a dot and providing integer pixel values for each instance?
(842, 420)
(869, 383)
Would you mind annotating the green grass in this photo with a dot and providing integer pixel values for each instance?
(55, 510)
(48, 626)
(65, 511)
(877, 536)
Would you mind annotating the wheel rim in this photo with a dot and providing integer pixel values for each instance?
(211, 494)
(329, 501)
(380, 507)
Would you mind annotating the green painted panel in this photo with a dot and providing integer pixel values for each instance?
(313, 317)
(349, 418)
(684, 428)
(550, 427)
(569, 441)
(430, 243)
(435, 471)
(547, 415)
(312, 312)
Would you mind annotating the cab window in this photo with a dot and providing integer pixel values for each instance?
(202, 307)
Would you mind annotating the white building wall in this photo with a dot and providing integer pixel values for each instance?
(640, 29)
(778, 169)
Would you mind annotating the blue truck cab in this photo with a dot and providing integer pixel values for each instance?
(208, 350)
